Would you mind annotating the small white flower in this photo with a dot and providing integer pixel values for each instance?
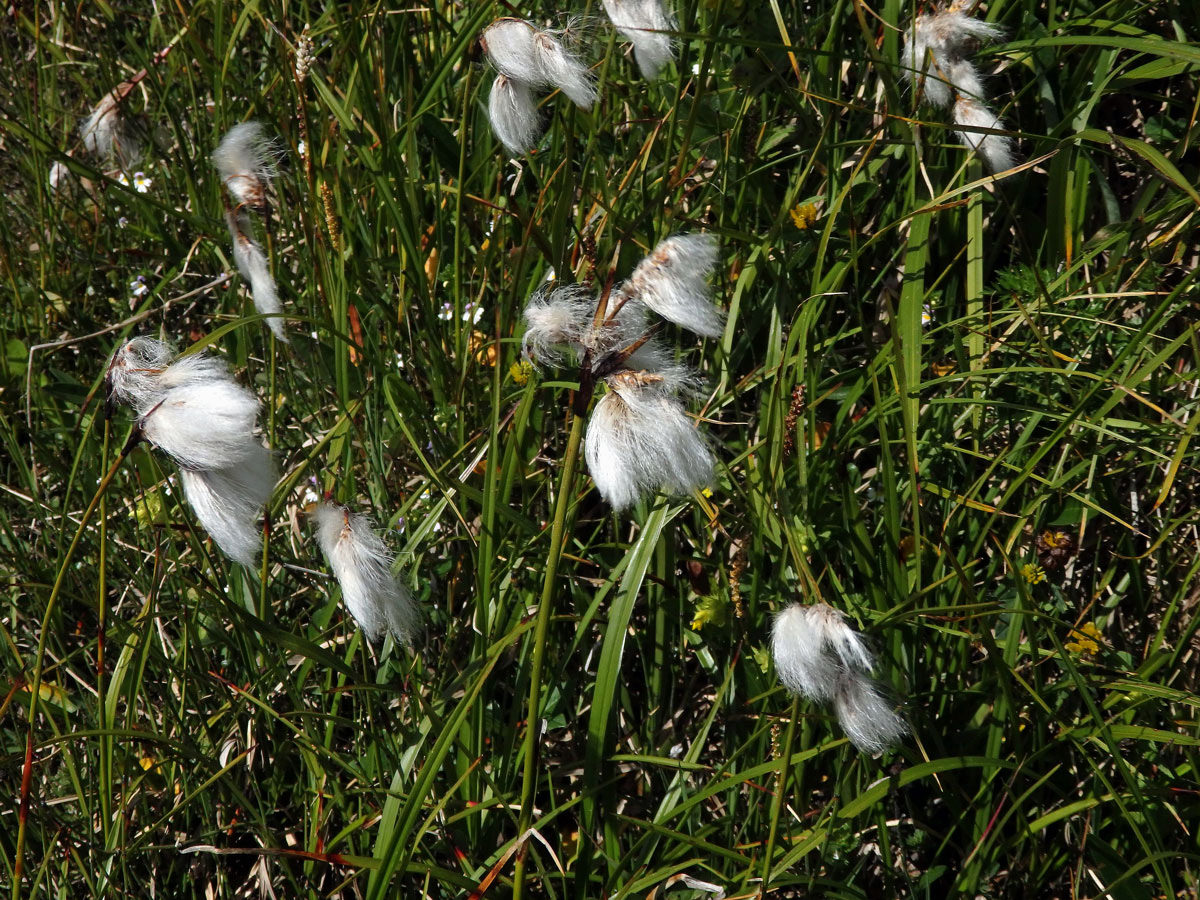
(399, 360)
(245, 160)
(646, 24)
(142, 182)
(302, 149)
(673, 281)
(446, 313)
(139, 287)
(252, 263)
(926, 315)
(122, 222)
(123, 179)
(361, 563)
(472, 313)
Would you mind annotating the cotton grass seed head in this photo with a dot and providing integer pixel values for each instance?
(108, 134)
(996, 149)
(535, 57)
(253, 266)
(513, 112)
(639, 441)
(379, 603)
(673, 281)
(865, 714)
(936, 51)
(134, 373)
(812, 645)
(229, 502)
(193, 411)
(204, 425)
(647, 25)
(245, 160)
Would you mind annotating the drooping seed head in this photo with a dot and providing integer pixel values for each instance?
(647, 25)
(865, 714)
(361, 563)
(513, 114)
(245, 160)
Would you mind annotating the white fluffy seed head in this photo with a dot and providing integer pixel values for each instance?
(229, 502)
(513, 113)
(107, 134)
(562, 70)
(812, 646)
(204, 425)
(362, 565)
(996, 149)
(935, 55)
(245, 160)
(134, 373)
(646, 24)
(252, 263)
(556, 322)
(865, 714)
(673, 281)
(639, 441)
(536, 58)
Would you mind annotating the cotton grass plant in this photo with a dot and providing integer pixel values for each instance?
(179, 725)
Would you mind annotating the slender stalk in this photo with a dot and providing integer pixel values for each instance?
(541, 627)
(36, 685)
(777, 801)
(106, 741)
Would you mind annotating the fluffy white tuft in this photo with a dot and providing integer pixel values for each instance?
(245, 160)
(562, 70)
(673, 281)
(996, 149)
(363, 567)
(106, 133)
(639, 440)
(513, 113)
(813, 646)
(646, 24)
(204, 425)
(252, 263)
(867, 717)
(557, 320)
(134, 373)
(800, 658)
(198, 415)
(229, 502)
(536, 58)
(935, 55)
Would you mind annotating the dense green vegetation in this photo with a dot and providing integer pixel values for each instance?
(958, 408)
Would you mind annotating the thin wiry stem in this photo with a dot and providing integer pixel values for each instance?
(36, 684)
(533, 716)
(785, 757)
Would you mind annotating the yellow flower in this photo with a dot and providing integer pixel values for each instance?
(709, 609)
(1033, 573)
(520, 372)
(1085, 638)
(803, 216)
